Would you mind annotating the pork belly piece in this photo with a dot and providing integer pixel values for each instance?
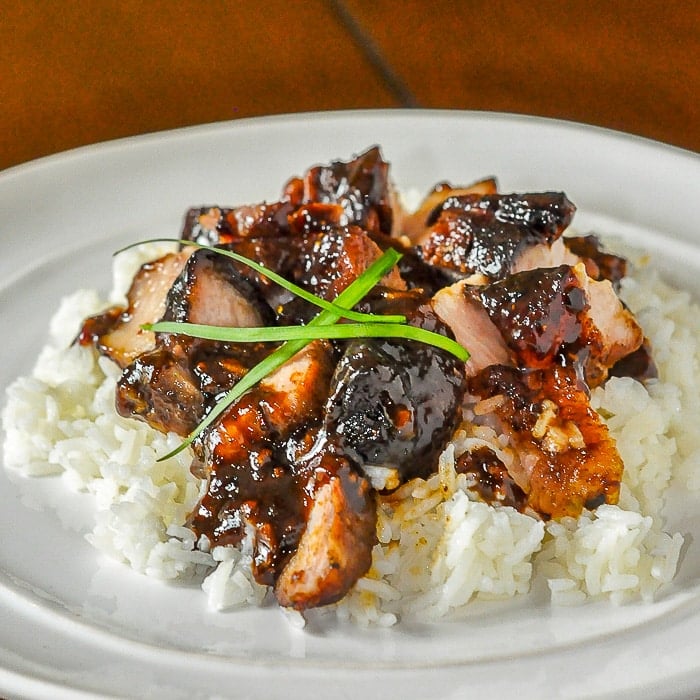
(214, 225)
(473, 329)
(415, 224)
(227, 226)
(543, 214)
(336, 547)
(361, 186)
(330, 261)
(611, 322)
(117, 333)
(315, 252)
(560, 315)
(173, 385)
(211, 291)
(324, 263)
(341, 193)
(564, 458)
(488, 235)
(255, 488)
(600, 265)
(539, 317)
(395, 403)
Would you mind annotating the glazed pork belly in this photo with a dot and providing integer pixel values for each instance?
(545, 337)
(254, 489)
(360, 186)
(117, 332)
(563, 458)
(335, 549)
(491, 236)
(539, 317)
(173, 385)
(342, 193)
(414, 225)
(293, 467)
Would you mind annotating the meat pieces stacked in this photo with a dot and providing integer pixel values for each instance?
(293, 467)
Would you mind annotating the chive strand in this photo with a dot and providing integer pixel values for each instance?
(335, 332)
(350, 296)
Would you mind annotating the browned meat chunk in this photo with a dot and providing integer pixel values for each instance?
(395, 404)
(335, 258)
(361, 186)
(336, 547)
(414, 225)
(117, 333)
(225, 225)
(559, 315)
(473, 235)
(565, 458)
(211, 291)
(255, 488)
(161, 390)
(339, 194)
(172, 386)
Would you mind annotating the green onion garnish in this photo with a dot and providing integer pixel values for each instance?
(295, 338)
(336, 331)
(289, 286)
(350, 296)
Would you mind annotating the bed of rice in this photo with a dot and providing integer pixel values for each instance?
(437, 549)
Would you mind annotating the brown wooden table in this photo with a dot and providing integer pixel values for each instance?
(90, 70)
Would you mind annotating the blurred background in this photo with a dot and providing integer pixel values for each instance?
(74, 73)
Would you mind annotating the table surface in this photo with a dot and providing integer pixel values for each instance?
(92, 70)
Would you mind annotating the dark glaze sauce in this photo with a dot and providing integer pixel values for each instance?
(491, 480)
(395, 403)
(539, 312)
(472, 234)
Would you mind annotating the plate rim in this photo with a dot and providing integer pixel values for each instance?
(211, 128)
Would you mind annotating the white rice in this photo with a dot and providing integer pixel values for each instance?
(438, 549)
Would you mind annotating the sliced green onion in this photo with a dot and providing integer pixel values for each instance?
(336, 331)
(289, 286)
(350, 296)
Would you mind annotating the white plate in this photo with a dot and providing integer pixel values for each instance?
(71, 623)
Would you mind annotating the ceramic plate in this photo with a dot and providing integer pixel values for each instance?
(74, 624)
